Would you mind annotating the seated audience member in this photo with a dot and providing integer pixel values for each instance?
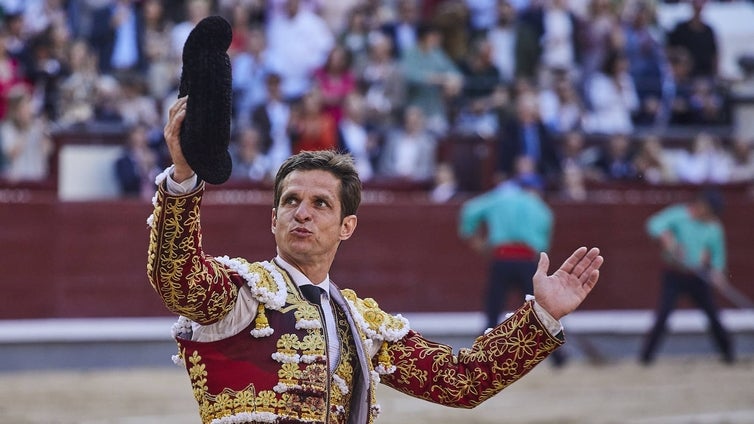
(409, 152)
(137, 166)
(525, 135)
(310, 127)
(560, 106)
(707, 162)
(24, 140)
(742, 160)
(249, 163)
(271, 119)
(445, 185)
(335, 81)
(382, 81)
(611, 97)
(80, 86)
(354, 138)
(616, 160)
(432, 78)
(652, 162)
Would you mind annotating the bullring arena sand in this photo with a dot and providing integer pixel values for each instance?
(675, 390)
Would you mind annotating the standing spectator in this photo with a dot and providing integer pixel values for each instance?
(310, 127)
(601, 30)
(355, 36)
(46, 68)
(382, 81)
(298, 43)
(250, 70)
(25, 140)
(354, 137)
(335, 81)
(524, 134)
(271, 118)
(137, 166)
(483, 92)
(616, 160)
(611, 97)
(692, 241)
(410, 152)
(249, 163)
(707, 162)
(431, 77)
(698, 39)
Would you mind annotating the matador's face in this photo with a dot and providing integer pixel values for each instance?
(307, 222)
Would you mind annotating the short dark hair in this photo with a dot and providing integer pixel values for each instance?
(713, 198)
(339, 164)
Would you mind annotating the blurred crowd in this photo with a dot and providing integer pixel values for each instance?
(389, 81)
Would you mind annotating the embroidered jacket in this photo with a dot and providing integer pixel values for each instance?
(276, 370)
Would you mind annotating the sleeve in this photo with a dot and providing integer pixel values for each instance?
(472, 213)
(430, 371)
(189, 282)
(717, 249)
(660, 222)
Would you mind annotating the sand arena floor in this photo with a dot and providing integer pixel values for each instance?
(694, 390)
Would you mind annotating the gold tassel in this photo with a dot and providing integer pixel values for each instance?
(262, 322)
(383, 357)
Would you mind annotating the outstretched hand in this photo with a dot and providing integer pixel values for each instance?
(564, 290)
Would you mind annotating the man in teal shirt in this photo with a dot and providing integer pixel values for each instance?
(692, 240)
(518, 225)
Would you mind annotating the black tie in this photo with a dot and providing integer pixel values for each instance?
(312, 293)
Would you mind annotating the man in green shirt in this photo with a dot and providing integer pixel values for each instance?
(692, 240)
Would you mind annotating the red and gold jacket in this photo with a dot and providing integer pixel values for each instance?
(276, 370)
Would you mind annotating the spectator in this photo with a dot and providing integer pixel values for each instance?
(134, 104)
(25, 141)
(271, 118)
(707, 105)
(601, 32)
(45, 70)
(249, 163)
(525, 135)
(742, 160)
(644, 47)
(445, 185)
(79, 88)
(310, 127)
(107, 106)
(354, 137)
(681, 109)
(698, 39)
(250, 70)
(163, 66)
(116, 36)
(335, 81)
(557, 30)
(611, 97)
(196, 10)
(298, 43)
(705, 163)
(515, 48)
(560, 106)
(137, 166)
(402, 31)
(11, 72)
(483, 93)
(355, 36)
(382, 81)
(410, 152)
(652, 162)
(616, 160)
(481, 15)
(432, 78)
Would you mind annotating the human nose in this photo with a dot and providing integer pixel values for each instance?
(302, 213)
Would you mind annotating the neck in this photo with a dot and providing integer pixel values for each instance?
(315, 270)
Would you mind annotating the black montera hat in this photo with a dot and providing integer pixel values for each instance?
(206, 79)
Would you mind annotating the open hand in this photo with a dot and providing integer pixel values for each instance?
(564, 290)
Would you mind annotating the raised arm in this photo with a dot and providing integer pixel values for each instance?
(189, 282)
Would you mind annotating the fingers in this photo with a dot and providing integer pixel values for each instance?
(544, 264)
(584, 265)
(570, 264)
